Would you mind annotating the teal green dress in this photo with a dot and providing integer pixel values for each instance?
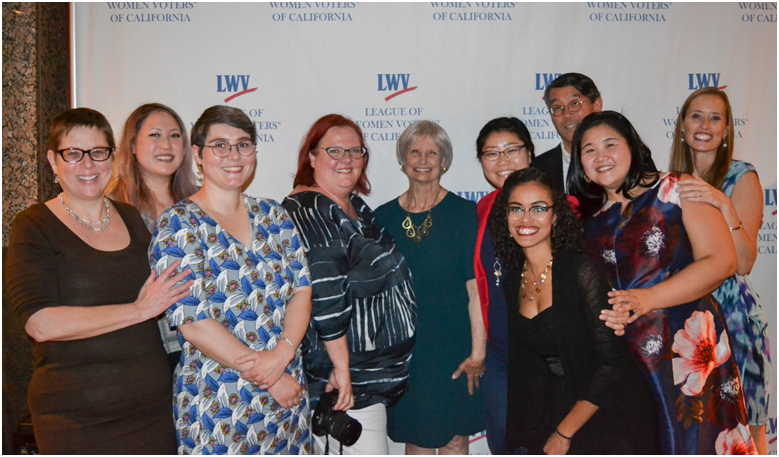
(436, 408)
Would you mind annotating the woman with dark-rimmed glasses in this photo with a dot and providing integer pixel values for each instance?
(78, 279)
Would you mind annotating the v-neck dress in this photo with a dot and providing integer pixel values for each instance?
(684, 351)
(246, 289)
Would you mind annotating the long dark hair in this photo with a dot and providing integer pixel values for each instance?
(641, 170)
(566, 231)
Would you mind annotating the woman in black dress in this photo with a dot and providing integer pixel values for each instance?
(572, 387)
(84, 293)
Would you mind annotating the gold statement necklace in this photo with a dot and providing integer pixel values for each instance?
(536, 288)
(417, 232)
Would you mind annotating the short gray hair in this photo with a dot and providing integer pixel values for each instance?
(425, 128)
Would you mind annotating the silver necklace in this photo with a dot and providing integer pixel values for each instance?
(89, 224)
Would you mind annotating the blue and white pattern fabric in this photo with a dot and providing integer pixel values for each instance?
(246, 289)
(747, 325)
(362, 289)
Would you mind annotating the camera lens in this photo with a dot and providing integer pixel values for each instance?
(343, 428)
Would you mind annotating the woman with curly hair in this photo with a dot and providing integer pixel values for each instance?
(570, 379)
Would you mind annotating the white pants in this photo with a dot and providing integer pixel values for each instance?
(373, 440)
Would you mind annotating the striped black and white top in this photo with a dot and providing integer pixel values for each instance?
(362, 289)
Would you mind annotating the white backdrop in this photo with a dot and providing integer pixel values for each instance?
(459, 64)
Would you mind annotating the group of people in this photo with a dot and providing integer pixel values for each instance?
(590, 304)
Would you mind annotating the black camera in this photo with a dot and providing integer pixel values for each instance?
(337, 424)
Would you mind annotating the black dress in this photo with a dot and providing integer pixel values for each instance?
(108, 394)
(566, 354)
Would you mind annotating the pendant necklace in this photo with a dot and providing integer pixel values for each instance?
(498, 273)
(89, 224)
(417, 232)
(536, 288)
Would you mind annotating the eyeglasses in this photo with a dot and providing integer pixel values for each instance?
(75, 155)
(493, 154)
(573, 107)
(537, 213)
(222, 148)
(338, 153)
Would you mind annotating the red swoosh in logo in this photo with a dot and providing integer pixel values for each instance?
(243, 92)
(390, 97)
(722, 87)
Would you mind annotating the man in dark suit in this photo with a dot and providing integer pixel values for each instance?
(569, 98)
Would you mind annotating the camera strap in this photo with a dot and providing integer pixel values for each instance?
(327, 445)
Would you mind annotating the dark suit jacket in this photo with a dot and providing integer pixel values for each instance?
(551, 163)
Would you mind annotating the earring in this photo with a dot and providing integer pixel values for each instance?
(56, 179)
(402, 168)
(587, 179)
(724, 142)
(443, 169)
(682, 136)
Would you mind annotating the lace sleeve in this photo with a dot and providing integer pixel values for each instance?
(607, 348)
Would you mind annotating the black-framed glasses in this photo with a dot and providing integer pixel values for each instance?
(536, 212)
(338, 153)
(493, 154)
(574, 107)
(75, 155)
(222, 148)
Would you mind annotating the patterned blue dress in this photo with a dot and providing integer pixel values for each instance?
(246, 288)
(683, 351)
(747, 325)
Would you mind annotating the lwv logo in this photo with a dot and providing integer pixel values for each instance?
(233, 83)
(701, 80)
(393, 82)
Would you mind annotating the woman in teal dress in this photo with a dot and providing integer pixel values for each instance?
(436, 232)
(703, 145)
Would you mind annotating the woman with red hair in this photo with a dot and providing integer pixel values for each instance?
(363, 304)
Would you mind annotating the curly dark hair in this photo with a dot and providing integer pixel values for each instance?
(566, 232)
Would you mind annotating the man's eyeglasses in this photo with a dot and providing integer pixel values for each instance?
(573, 107)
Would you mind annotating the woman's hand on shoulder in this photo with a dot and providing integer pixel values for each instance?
(286, 391)
(159, 293)
(695, 189)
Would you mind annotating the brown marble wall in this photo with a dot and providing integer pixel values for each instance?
(36, 86)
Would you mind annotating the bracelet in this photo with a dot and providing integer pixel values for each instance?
(733, 229)
(558, 432)
(289, 342)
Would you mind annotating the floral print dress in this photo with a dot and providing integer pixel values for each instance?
(747, 325)
(246, 289)
(683, 351)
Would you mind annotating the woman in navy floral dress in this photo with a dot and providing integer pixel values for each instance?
(663, 256)
(240, 387)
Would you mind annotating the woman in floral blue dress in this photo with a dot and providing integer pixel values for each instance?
(703, 144)
(240, 387)
(663, 256)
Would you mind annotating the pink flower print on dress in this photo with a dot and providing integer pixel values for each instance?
(700, 353)
(736, 441)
